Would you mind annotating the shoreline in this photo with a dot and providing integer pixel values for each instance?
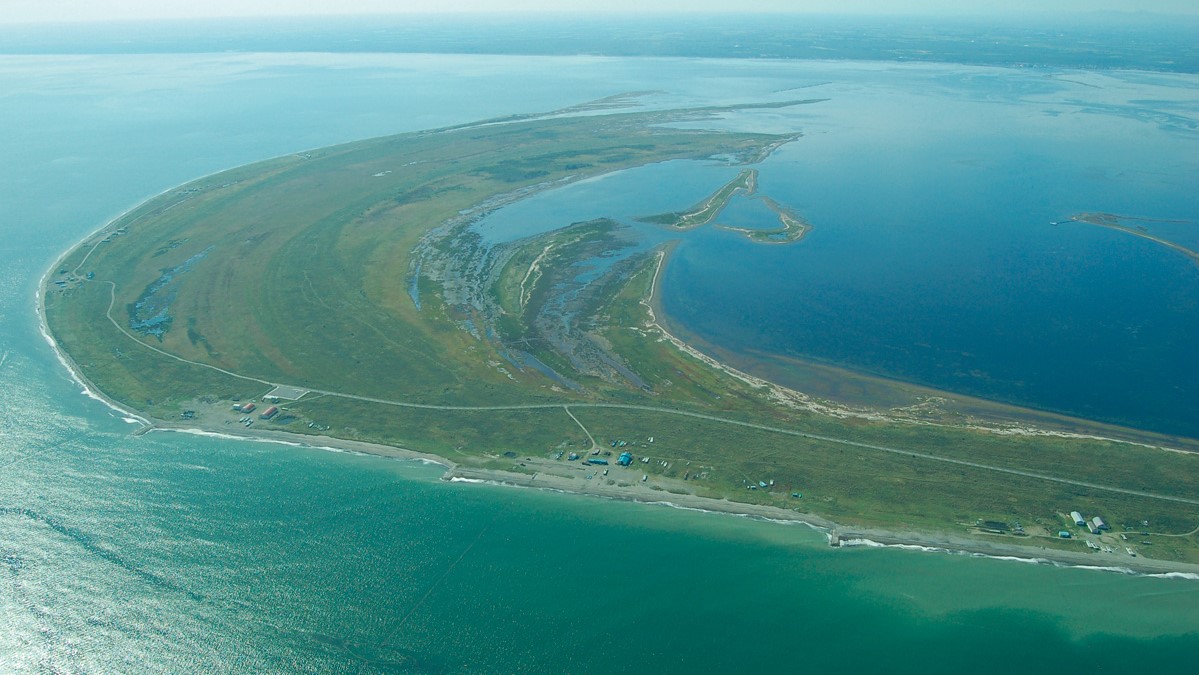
(839, 536)
(993, 417)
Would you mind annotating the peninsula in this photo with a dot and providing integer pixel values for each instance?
(342, 296)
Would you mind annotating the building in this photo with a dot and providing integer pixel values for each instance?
(249, 407)
(626, 458)
(270, 412)
(1099, 524)
(1078, 519)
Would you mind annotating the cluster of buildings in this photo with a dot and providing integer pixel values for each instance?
(251, 406)
(1094, 525)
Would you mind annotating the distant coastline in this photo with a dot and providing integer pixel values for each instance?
(1020, 43)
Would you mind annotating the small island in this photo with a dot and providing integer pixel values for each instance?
(341, 297)
(792, 226)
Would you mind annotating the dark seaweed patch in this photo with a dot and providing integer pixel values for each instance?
(150, 313)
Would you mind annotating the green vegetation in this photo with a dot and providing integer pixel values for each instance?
(352, 272)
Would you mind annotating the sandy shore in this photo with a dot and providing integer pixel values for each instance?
(303, 441)
(846, 537)
(1003, 550)
(636, 491)
(557, 477)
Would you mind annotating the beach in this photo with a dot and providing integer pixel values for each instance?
(571, 478)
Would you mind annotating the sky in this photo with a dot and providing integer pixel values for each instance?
(23, 11)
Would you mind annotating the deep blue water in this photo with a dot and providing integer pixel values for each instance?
(175, 553)
(933, 260)
(931, 190)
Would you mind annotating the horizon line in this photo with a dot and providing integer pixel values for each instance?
(972, 13)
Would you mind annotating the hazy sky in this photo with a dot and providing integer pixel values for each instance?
(19, 11)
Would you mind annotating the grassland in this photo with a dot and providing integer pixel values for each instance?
(304, 270)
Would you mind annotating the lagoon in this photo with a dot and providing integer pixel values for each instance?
(933, 259)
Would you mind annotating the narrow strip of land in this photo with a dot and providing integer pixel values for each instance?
(1113, 221)
(668, 411)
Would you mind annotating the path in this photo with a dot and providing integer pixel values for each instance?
(672, 411)
(591, 438)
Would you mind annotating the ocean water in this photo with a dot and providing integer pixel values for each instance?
(181, 553)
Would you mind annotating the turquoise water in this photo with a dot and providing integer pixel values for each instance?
(178, 553)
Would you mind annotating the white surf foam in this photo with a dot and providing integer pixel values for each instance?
(293, 444)
(870, 543)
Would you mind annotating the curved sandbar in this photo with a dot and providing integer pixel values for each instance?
(709, 209)
(793, 227)
(1122, 224)
(302, 270)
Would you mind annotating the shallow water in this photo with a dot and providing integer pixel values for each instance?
(178, 553)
